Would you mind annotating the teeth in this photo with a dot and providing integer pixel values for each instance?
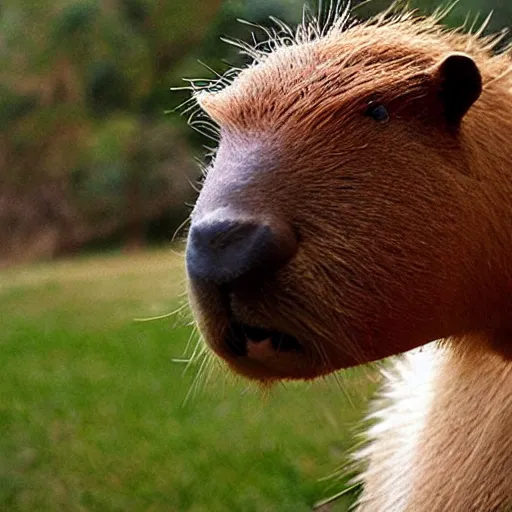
(239, 335)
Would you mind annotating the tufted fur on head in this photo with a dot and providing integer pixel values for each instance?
(284, 79)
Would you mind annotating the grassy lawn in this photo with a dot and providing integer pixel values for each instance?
(94, 414)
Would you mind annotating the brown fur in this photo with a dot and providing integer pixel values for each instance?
(405, 229)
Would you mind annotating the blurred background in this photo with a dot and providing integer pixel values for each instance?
(99, 411)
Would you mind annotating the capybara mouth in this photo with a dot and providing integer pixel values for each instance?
(241, 337)
(254, 342)
(262, 353)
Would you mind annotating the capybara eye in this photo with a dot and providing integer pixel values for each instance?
(377, 112)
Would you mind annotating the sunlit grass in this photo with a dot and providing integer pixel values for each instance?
(93, 410)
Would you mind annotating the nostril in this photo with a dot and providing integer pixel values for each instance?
(223, 250)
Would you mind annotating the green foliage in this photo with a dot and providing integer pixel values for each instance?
(73, 20)
(14, 106)
(135, 12)
(107, 88)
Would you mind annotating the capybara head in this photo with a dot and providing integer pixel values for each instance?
(343, 218)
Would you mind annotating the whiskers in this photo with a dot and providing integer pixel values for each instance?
(196, 356)
(163, 316)
(203, 363)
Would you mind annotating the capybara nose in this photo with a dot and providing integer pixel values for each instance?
(221, 250)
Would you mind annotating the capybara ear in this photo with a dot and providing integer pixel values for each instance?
(460, 85)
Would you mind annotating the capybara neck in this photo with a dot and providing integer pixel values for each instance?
(442, 438)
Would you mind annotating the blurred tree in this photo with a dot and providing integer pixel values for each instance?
(86, 152)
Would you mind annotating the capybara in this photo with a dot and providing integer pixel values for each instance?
(359, 206)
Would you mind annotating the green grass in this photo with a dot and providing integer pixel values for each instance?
(93, 409)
